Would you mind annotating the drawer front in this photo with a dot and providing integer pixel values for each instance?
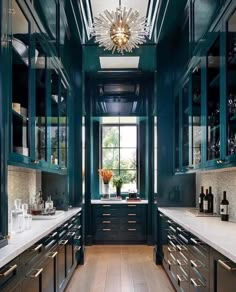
(9, 275)
(199, 251)
(197, 283)
(31, 255)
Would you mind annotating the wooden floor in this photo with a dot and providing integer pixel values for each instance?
(119, 268)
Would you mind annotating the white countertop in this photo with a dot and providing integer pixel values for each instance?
(96, 202)
(218, 234)
(21, 241)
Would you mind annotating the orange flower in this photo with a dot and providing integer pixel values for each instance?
(106, 175)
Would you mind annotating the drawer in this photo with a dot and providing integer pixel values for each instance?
(182, 282)
(9, 275)
(196, 283)
(199, 251)
(50, 240)
(138, 210)
(132, 227)
(104, 213)
(200, 270)
(31, 255)
(107, 221)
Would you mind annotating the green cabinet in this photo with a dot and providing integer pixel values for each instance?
(40, 90)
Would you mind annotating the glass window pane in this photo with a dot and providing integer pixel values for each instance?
(110, 120)
(130, 180)
(128, 136)
(110, 136)
(128, 158)
(110, 158)
(128, 120)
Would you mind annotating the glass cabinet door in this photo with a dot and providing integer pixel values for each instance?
(63, 127)
(54, 118)
(196, 116)
(231, 87)
(20, 135)
(185, 124)
(40, 102)
(177, 165)
(213, 101)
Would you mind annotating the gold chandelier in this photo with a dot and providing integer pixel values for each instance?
(121, 30)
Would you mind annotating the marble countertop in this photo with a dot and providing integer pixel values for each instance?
(218, 234)
(104, 202)
(19, 242)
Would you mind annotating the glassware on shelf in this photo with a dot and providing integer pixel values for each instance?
(17, 218)
(27, 217)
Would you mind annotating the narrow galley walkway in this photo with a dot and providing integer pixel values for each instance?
(119, 268)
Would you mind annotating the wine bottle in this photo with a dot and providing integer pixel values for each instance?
(210, 201)
(205, 202)
(224, 208)
(200, 199)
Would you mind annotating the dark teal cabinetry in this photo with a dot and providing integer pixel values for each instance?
(117, 223)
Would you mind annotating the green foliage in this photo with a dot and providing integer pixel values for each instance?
(118, 181)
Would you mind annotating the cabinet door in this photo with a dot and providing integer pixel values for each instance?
(49, 273)
(61, 263)
(177, 134)
(33, 280)
(213, 101)
(231, 89)
(21, 64)
(185, 125)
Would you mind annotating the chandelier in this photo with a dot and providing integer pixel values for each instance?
(121, 30)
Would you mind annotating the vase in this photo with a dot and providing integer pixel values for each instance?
(118, 191)
(106, 191)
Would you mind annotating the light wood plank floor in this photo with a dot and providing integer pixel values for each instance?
(119, 268)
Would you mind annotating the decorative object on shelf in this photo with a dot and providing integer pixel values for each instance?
(118, 183)
(106, 176)
(120, 30)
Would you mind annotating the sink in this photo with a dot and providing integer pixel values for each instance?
(195, 212)
(48, 217)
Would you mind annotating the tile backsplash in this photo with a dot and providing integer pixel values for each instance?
(23, 183)
(219, 181)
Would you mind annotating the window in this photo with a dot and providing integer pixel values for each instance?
(119, 149)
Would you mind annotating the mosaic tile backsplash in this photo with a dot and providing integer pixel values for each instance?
(219, 181)
(23, 184)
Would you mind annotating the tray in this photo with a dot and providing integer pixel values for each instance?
(48, 217)
(195, 212)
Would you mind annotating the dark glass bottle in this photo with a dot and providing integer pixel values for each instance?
(210, 201)
(205, 202)
(200, 199)
(224, 208)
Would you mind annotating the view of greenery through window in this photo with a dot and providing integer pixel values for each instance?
(119, 151)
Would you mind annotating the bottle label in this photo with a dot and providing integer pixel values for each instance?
(224, 209)
(205, 205)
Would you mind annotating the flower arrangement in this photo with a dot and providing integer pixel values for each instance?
(118, 181)
(105, 174)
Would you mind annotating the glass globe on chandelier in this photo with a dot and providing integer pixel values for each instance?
(121, 30)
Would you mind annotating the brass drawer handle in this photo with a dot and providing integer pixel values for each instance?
(132, 222)
(170, 237)
(77, 237)
(182, 248)
(37, 273)
(107, 222)
(63, 242)
(71, 233)
(179, 229)
(132, 205)
(181, 279)
(181, 263)
(37, 247)
(52, 254)
(172, 243)
(50, 243)
(195, 284)
(171, 249)
(106, 205)
(172, 228)
(226, 266)
(194, 264)
(79, 214)
(106, 229)
(195, 241)
(73, 219)
(132, 229)
(132, 214)
(106, 214)
(171, 263)
(11, 269)
(54, 234)
(65, 225)
(183, 238)
(70, 226)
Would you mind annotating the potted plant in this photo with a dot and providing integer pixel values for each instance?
(118, 183)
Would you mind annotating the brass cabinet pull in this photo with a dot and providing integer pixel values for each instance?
(181, 279)
(106, 229)
(73, 219)
(132, 205)
(194, 283)
(195, 241)
(132, 221)
(37, 247)
(132, 229)
(11, 269)
(181, 247)
(226, 266)
(171, 249)
(131, 214)
(70, 226)
(170, 237)
(77, 237)
(107, 222)
(54, 234)
(181, 263)
(179, 229)
(71, 233)
(50, 243)
(171, 263)
(172, 243)
(37, 273)
(183, 238)
(194, 264)
(52, 254)
(172, 228)
(106, 205)
(63, 242)
(65, 225)
(106, 214)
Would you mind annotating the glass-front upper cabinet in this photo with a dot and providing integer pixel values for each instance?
(196, 116)
(40, 101)
(21, 62)
(176, 127)
(185, 125)
(231, 87)
(63, 126)
(213, 101)
(54, 118)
